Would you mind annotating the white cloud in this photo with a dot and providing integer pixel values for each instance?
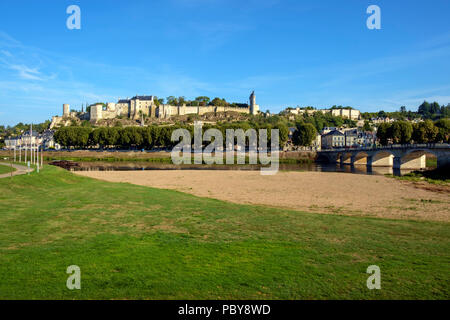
(6, 53)
(26, 72)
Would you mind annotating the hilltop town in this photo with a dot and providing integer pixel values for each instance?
(147, 122)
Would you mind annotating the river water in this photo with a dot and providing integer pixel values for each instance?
(320, 167)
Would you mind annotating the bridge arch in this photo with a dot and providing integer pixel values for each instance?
(360, 158)
(423, 151)
(381, 158)
(345, 157)
(416, 158)
(325, 158)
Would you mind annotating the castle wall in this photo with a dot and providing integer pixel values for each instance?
(166, 111)
(96, 112)
(133, 108)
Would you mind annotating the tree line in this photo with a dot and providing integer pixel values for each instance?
(146, 137)
(198, 101)
(404, 132)
(398, 132)
(427, 111)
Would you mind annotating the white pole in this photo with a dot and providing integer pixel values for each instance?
(20, 153)
(42, 156)
(37, 157)
(25, 151)
(31, 143)
(33, 147)
(37, 152)
(14, 153)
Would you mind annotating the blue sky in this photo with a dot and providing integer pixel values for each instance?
(291, 53)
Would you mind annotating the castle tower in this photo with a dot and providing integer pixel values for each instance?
(66, 110)
(96, 112)
(254, 108)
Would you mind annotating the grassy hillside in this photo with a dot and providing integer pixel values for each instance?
(138, 242)
(6, 168)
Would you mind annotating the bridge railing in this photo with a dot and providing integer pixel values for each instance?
(394, 146)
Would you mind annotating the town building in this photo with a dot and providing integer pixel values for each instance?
(379, 120)
(333, 139)
(347, 138)
(29, 138)
(348, 113)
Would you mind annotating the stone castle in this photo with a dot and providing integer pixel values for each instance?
(338, 112)
(140, 106)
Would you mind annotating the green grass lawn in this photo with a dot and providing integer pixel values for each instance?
(6, 169)
(134, 242)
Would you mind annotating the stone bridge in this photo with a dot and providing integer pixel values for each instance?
(410, 156)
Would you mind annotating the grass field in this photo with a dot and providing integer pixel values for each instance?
(6, 169)
(134, 242)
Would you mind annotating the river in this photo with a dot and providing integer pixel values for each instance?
(320, 167)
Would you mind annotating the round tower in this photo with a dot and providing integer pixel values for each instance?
(66, 110)
(254, 108)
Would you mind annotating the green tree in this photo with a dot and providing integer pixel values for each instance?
(445, 111)
(181, 101)
(134, 136)
(112, 136)
(82, 136)
(367, 126)
(443, 134)
(424, 109)
(402, 132)
(425, 132)
(202, 100)
(384, 133)
(304, 134)
(147, 136)
(218, 102)
(429, 110)
(283, 132)
(156, 132)
(99, 136)
(382, 114)
(72, 136)
(172, 100)
(435, 108)
(61, 137)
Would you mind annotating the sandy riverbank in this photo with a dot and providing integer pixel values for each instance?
(334, 193)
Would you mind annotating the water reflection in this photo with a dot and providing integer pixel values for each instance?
(320, 167)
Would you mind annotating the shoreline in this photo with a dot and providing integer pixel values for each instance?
(148, 155)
